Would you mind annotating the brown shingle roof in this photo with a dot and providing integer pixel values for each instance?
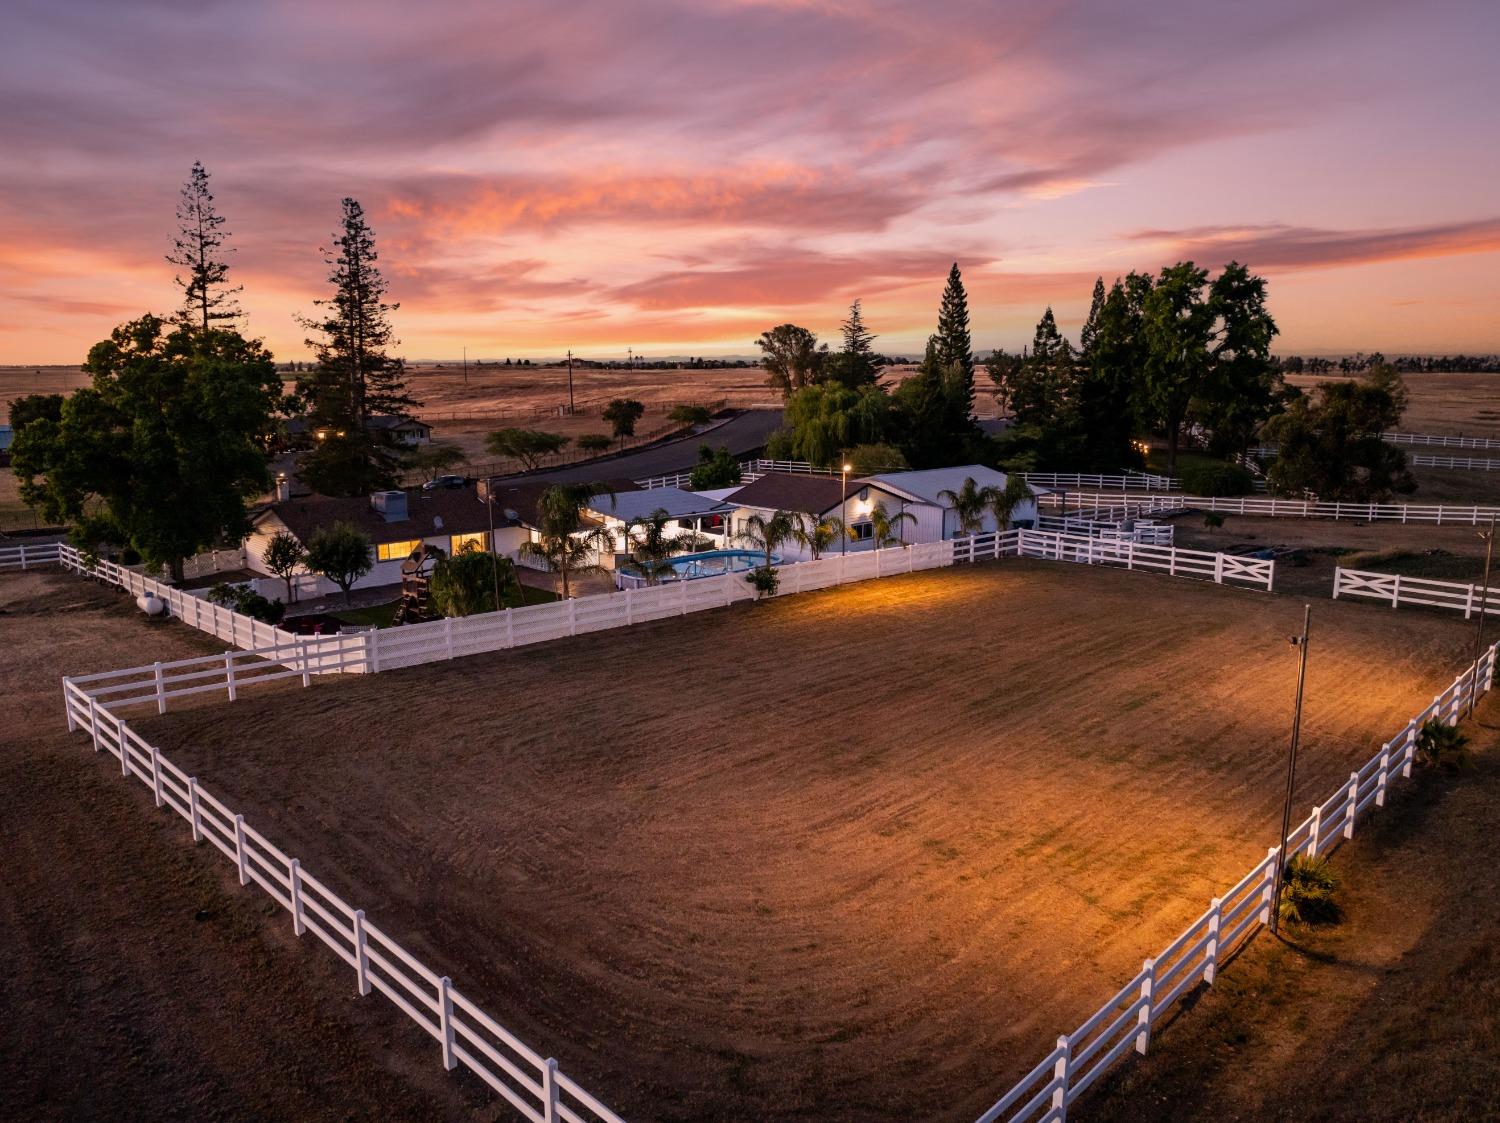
(784, 491)
(460, 509)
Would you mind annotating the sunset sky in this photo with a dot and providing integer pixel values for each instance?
(678, 176)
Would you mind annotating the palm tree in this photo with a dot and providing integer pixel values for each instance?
(768, 533)
(889, 530)
(565, 544)
(1015, 492)
(817, 534)
(652, 548)
(969, 503)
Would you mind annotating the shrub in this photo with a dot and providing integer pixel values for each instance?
(1440, 745)
(1213, 521)
(716, 468)
(595, 442)
(1307, 892)
(1217, 479)
(248, 602)
(765, 579)
(690, 415)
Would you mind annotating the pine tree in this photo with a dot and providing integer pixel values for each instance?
(854, 366)
(355, 379)
(1091, 325)
(954, 345)
(199, 248)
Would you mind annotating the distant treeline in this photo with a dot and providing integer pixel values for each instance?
(1404, 364)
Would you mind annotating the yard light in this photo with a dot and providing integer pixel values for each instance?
(1299, 642)
(843, 510)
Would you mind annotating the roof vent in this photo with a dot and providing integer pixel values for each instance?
(389, 505)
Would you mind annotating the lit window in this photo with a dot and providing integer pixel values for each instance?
(396, 551)
(462, 542)
(864, 495)
(861, 532)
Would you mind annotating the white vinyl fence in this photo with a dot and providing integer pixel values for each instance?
(29, 557)
(1422, 460)
(1435, 440)
(1138, 530)
(1124, 1023)
(466, 1035)
(1397, 590)
(1129, 481)
(1441, 514)
(750, 471)
(1200, 564)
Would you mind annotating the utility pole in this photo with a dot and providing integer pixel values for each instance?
(1484, 600)
(570, 380)
(1291, 768)
(466, 366)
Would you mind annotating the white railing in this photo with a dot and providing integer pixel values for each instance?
(1129, 481)
(29, 557)
(1122, 507)
(1124, 1023)
(1433, 439)
(1200, 564)
(466, 1035)
(1422, 460)
(750, 471)
(1141, 530)
(1396, 590)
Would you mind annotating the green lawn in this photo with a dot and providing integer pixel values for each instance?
(382, 615)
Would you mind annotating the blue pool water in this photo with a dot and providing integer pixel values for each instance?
(711, 563)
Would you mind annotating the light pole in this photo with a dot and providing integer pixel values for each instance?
(1484, 600)
(1291, 767)
(489, 506)
(844, 510)
(570, 380)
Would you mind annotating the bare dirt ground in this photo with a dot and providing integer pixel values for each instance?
(1394, 1015)
(140, 981)
(856, 855)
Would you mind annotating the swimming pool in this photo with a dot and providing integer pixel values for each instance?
(710, 563)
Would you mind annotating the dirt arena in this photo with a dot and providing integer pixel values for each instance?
(856, 855)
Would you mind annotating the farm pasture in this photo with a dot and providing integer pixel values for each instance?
(853, 855)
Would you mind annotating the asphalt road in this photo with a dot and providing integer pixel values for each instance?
(742, 435)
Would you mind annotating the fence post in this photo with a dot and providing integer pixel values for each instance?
(550, 1091)
(193, 818)
(229, 675)
(510, 628)
(1408, 750)
(68, 704)
(1211, 955)
(445, 1021)
(161, 690)
(1353, 805)
(1143, 1019)
(156, 775)
(1317, 830)
(94, 721)
(1062, 1076)
(629, 605)
(306, 666)
(239, 849)
(294, 885)
(1218, 569)
(1273, 861)
(1383, 777)
(448, 630)
(361, 955)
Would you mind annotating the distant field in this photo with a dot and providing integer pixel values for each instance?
(852, 856)
(1456, 404)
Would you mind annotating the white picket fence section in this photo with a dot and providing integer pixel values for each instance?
(1129, 481)
(30, 557)
(1423, 460)
(1139, 530)
(1200, 564)
(1435, 440)
(1396, 590)
(750, 471)
(531, 1083)
(1124, 1023)
(1126, 506)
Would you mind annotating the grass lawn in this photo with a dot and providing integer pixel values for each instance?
(383, 615)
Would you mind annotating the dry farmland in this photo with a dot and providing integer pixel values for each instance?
(854, 855)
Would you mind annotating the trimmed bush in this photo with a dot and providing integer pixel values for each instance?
(765, 579)
(1217, 479)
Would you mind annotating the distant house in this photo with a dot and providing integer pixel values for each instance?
(7, 435)
(407, 431)
(915, 493)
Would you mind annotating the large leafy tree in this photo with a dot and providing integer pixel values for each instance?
(355, 377)
(1329, 442)
(1244, 387)
(823, 420)
(341, 553)
(164, 447)
(1178, 327)
(1044, 402)
(526, 445)
(622, 415)
(34, 407)
(792, 357)
(1109, 364)
(199, 249)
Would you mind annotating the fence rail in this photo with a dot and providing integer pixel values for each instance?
(1440, 441)
(1124, 1023)
(1201, 564)
(1423, 460)
(1440, 514)
(30, 557)
(750, 470)
(466, 1035)
(1397, 589)
(1128, 481)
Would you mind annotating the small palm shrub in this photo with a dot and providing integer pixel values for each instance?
(1213, 521)
(765, 579)
(1307, 892)
(1440, 745)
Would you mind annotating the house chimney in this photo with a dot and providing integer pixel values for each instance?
(283, 487)
(389, 505)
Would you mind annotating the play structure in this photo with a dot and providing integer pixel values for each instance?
(416, 573)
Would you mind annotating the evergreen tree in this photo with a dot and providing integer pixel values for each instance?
(355, 378)
(854, 366)
(207, 300)
(1106, 389)
(954, 346)
(1244, 387)
(1091, 325)
(1178, 323)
